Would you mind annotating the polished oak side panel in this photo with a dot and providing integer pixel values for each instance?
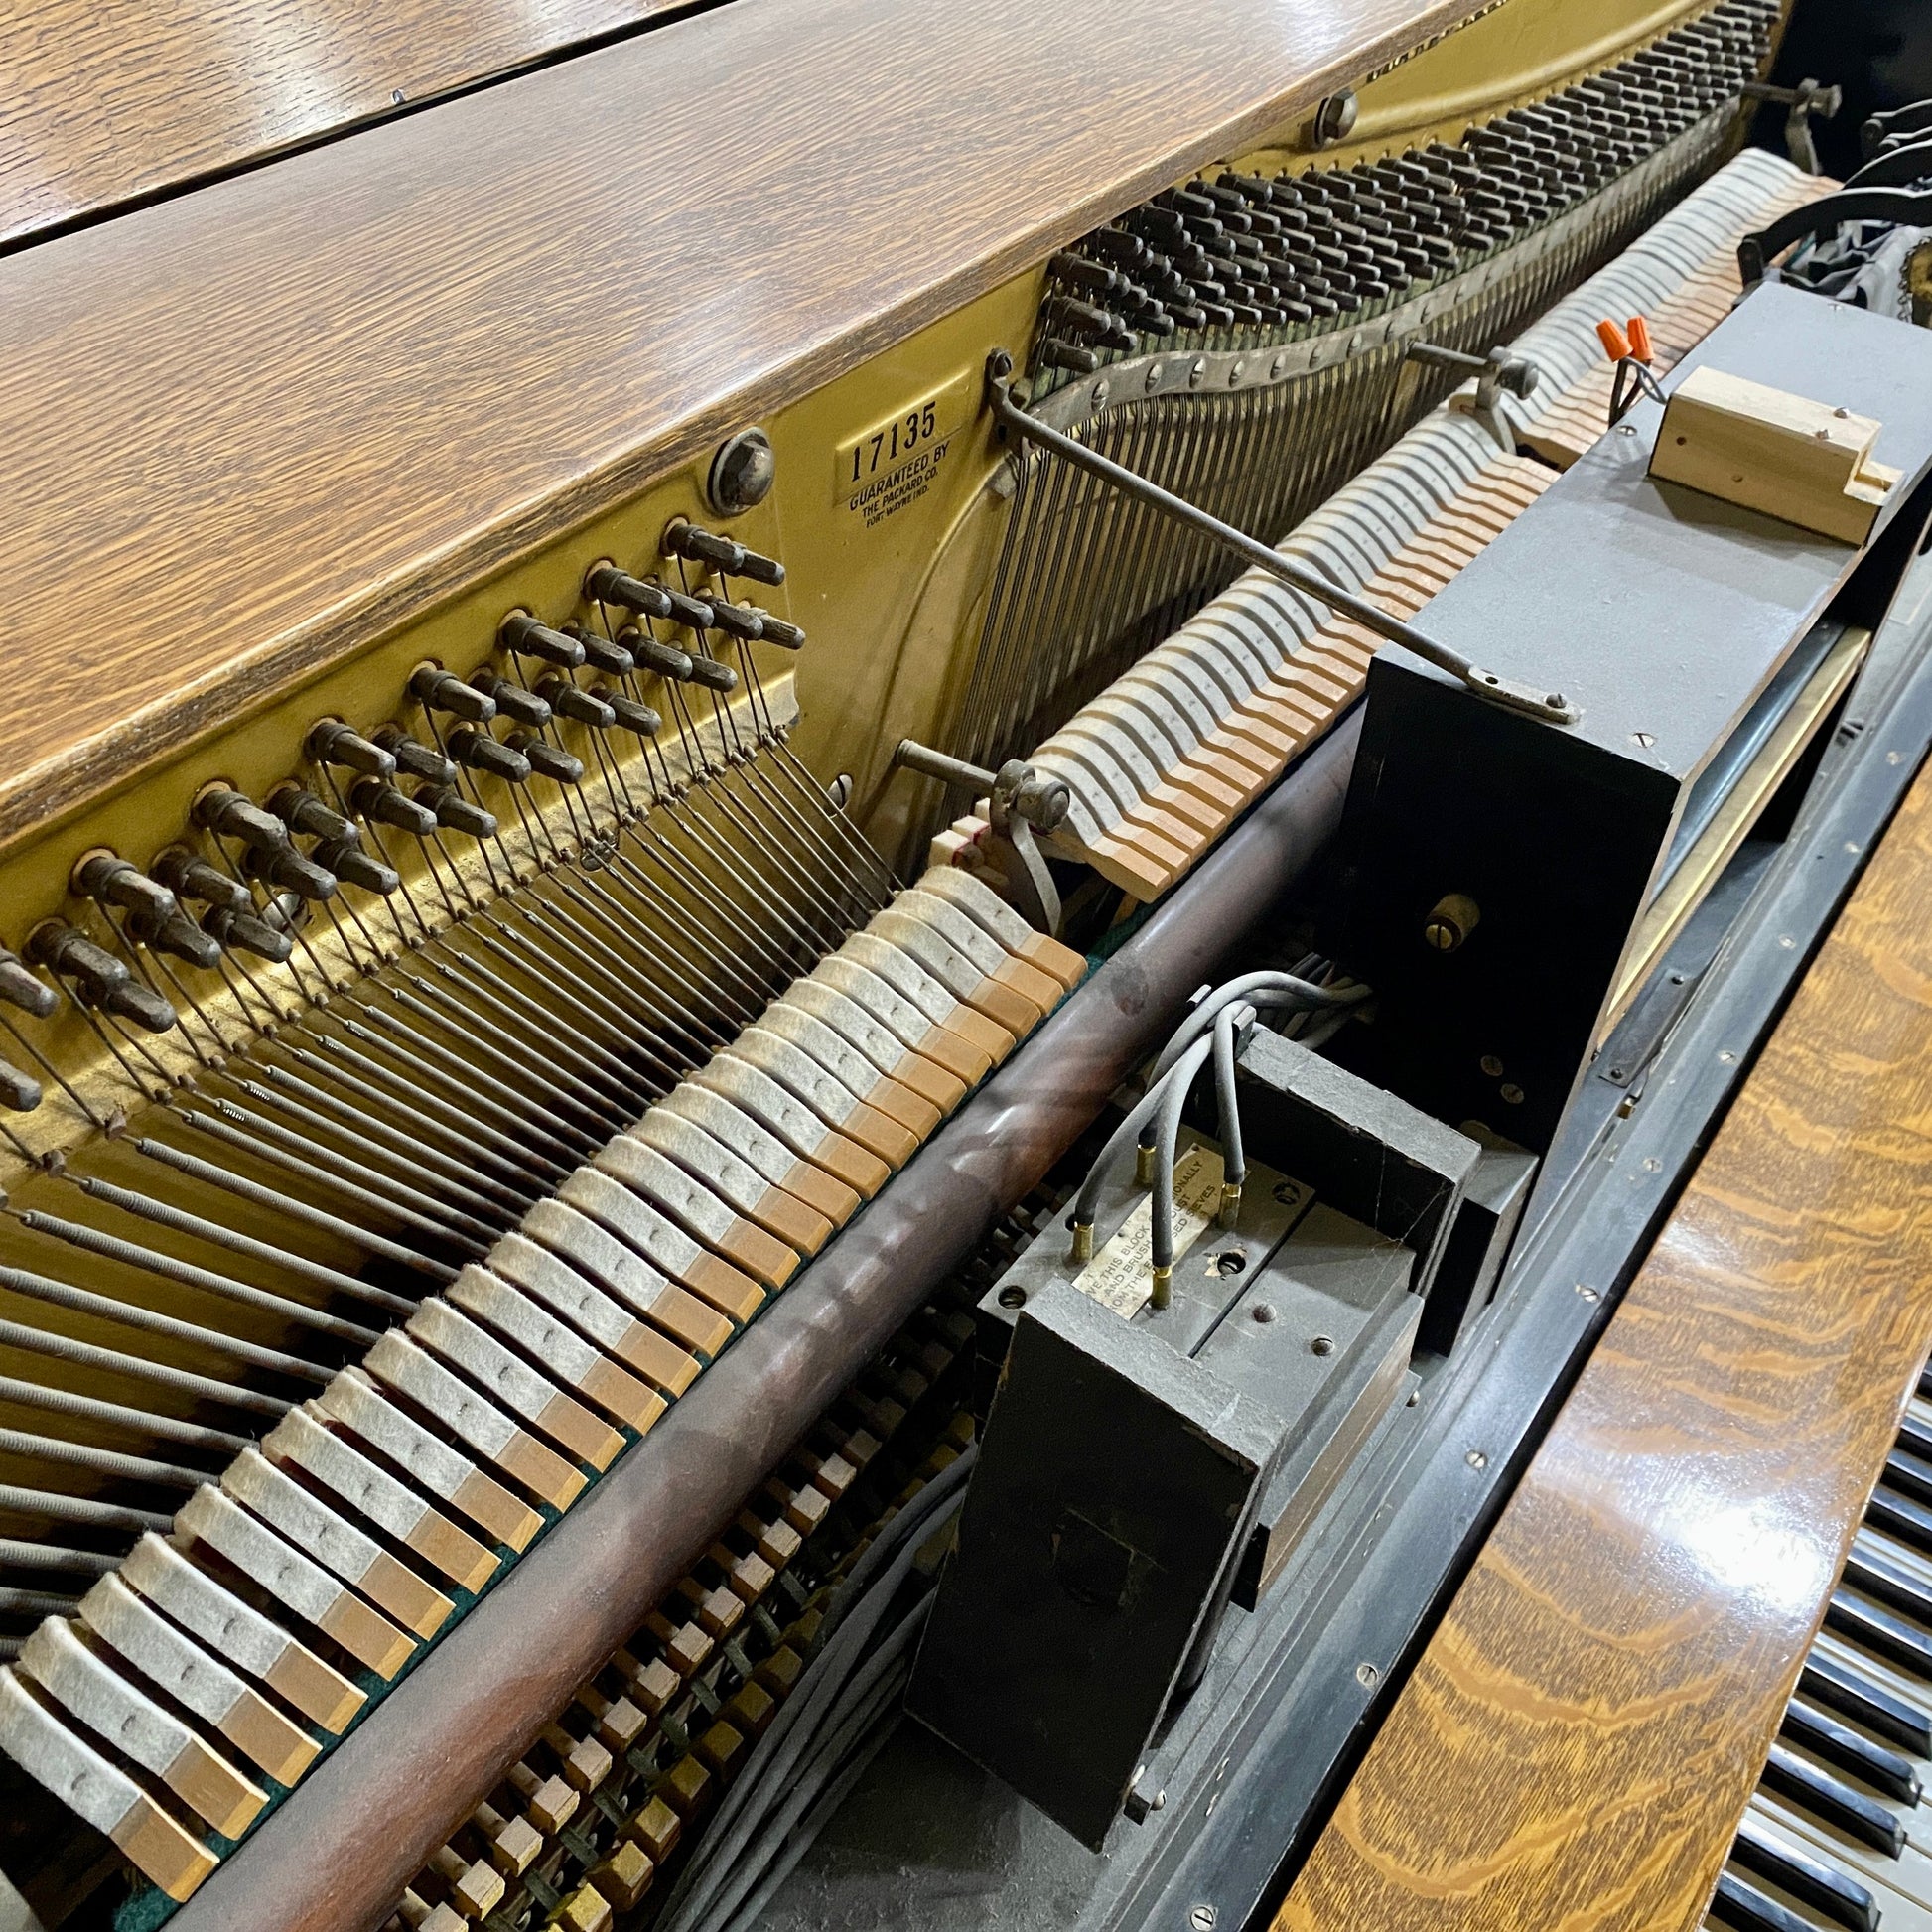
(1581, 1735)
(109, 103)
(251, 427)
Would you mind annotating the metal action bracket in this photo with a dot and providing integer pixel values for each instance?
(1552, 707)
(1020, 802)
(1501, 369)
(1804, 100)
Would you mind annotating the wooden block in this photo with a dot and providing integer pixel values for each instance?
(56, 1658)
(626, 1875)
(36, 1740)
(397, 1363)
(447, 1331)
(247, 1639)
(714, 1280)
(722, 1747)
(655, 1827)
(1767, 450)
(751, 1708)
(549, 1802)
(652, 1685)
(304, 1439)
(196, 1681)
(687, 1787)
(585, 1911)
(355, 1401)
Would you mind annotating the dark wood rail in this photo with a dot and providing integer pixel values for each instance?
(107, 105)
(1585, 1728)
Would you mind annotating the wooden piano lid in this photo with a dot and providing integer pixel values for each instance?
(1582, 1732)
(107, 105)
(249, 427)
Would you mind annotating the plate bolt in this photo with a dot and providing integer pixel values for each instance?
(742, 473)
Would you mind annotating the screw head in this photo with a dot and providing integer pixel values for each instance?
(1201, 1918)
(1262, 1312)
(1476, 1459)
(1154, 377)
(1440, 937)
(1199, 374)
(742, 473)
(1235, 373)
(1492, 1066)
(1512, 1094)
(1278, 366)
(1323, 1345)
(1100, 393)
(1367, 1676)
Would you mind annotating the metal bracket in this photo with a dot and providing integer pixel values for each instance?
(1804, 100)
(1552, 707)
(1020, 801)
(1499, 372)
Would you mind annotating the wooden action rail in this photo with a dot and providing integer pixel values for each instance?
(1584, 1729)
(105, 107)
(275, 489)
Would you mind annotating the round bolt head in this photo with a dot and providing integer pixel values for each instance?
(1335, 119)
(742, 473)
(1367, 1676)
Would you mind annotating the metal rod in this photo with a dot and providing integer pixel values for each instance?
(1551, 706)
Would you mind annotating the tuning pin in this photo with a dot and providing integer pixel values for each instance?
(478, 750)
(303, 811)
(666, 660)
(154, 914)
(545, 757)
(712, 675)
(19, 1092)
(333, 743)
(189, 875)
(571, 700)
(607, 584)
(286, 869)
(731, 559)
(455, 813)
(415, 759)
(103, 980)
(776, 631)
(346, 859)
(696, 612)
(737, 621)
(627, 711)
(522, 633)
(383, 804)
(437, 690)
(246, 931)
(19, 988)
(232, 817)
(512, 700)
(600, 654)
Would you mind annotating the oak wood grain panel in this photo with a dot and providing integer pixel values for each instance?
(1583, 1731)
(248, 427)
(109, 103)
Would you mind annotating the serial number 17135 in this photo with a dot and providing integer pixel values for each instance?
(882, 450)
